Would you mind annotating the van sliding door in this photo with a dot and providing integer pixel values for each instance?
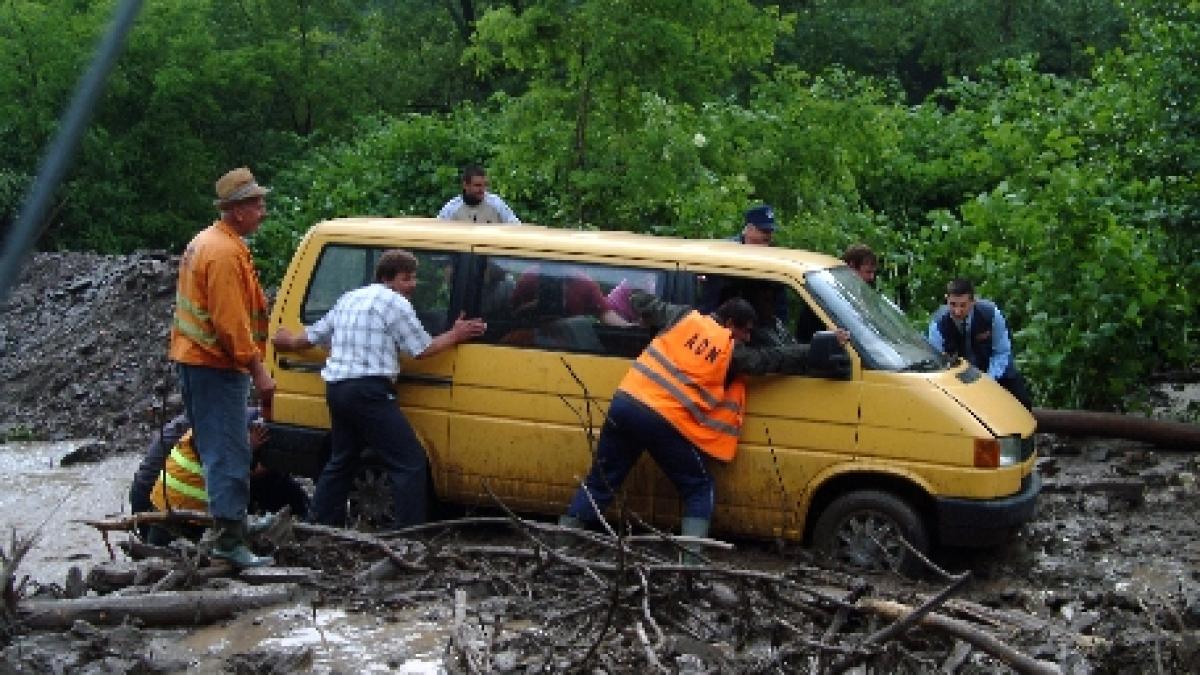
(530, 396)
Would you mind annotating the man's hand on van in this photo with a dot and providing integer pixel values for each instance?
(467, 329)
(463, 329)
(287, 341)
(843, 336)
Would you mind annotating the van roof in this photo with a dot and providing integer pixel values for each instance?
(596, 245)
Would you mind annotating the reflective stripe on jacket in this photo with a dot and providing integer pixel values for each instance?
(681, 376)
(184, 479)
(220, 308)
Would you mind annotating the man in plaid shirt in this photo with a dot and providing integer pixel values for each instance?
(364, 333)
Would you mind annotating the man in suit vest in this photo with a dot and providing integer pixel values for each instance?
(976, 331)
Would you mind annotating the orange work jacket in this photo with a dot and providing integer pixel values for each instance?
(183, 479)
(681, 376)
(220, 308)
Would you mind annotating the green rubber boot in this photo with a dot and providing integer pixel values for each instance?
(256, 525)
(693, 527)
(230, 544)
(561, 539)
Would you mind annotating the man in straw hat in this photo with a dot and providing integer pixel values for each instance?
(218, 339)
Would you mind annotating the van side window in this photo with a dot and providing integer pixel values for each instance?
(340, 269)
(435, 278)
(783, 316)
(344, 268)
(571, 307)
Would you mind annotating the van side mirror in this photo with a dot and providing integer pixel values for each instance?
(827, 358)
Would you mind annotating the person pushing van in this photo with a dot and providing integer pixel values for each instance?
(975, 330)
(685, 395)
(364, 331)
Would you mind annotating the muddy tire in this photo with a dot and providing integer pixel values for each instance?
(369, 505)
(862, 530)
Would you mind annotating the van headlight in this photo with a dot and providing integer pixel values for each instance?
(991, 453)
(1010, 450)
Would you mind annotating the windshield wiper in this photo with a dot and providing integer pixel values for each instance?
(923, 366)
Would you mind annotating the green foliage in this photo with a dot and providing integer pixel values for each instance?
(391, 167)
(611, 132)
(926, 43)
(1053, 227)
(1013, 142)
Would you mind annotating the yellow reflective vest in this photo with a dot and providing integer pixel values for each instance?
(682, 376)
(220, 308)
(182, 482)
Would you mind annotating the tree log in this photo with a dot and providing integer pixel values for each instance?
(176, 608)
(1163, 433)
(985, 642)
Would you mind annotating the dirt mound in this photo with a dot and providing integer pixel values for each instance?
(83, 342)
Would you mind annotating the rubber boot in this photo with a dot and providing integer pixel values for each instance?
(693, 527)
(561, 539)
(230, 545)
(256, 525)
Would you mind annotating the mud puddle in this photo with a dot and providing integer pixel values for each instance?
(323, 640)
(39, 496)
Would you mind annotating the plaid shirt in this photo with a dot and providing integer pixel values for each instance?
(364, 332)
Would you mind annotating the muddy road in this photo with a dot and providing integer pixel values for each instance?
(1105, 579)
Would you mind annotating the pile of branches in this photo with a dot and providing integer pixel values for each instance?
(573, 600)
(561, 599)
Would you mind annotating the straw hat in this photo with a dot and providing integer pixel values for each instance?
(237, 185)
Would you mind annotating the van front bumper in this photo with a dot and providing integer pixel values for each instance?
(987, 522)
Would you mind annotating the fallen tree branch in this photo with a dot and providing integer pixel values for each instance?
(1163, 433)
(979, 639)
(10, 560)
(902, 624)
(173, 608)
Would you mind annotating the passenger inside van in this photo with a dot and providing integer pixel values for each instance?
(496, 295)
(765, 297)
(558, 308)
(618, 297)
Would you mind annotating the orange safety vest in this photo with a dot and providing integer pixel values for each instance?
(183, 479)
(681, 376)
(220, 308)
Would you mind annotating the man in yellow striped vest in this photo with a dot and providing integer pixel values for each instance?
(179, 485)
(683, 401)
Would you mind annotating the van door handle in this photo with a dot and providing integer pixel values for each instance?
(423, 379)
(302, 366)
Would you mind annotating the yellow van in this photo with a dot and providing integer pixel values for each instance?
(895, 441)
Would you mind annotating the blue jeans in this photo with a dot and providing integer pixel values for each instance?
(215, 402)
(364, 414)
(629, 428)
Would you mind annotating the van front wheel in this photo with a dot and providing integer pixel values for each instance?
(864, 529)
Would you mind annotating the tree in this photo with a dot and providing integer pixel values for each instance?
(599, 70)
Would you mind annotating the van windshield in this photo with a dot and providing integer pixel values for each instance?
(880, 331)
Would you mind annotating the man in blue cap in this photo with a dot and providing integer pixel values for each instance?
(759, 227)
(758, 230)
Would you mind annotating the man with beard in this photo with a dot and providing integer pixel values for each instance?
(863, 261)
(476, 204)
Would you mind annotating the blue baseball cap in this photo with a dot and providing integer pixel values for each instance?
(762, 217)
